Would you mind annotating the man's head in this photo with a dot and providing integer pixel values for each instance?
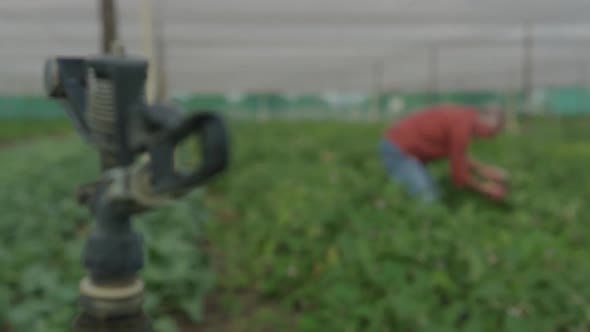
(490, 120)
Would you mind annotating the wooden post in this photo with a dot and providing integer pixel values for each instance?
(108, 20)
(108, 45)
(154, 50)
(378, 83)
(511, 107)
(582, 87)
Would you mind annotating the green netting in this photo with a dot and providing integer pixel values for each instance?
(29, 106)
(567, 100)
(562, 100)
(401, 102)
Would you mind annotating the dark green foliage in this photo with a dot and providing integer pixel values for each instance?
(308, 217)
(42, 231)
(12, 130)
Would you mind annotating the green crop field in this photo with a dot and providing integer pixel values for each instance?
(305, 233)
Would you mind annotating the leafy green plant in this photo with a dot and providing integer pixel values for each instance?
(306, 227)
(14, 130)
(307, 217)
(42, 231)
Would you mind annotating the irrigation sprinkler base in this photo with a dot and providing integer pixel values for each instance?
(135, 323)
(113, 308)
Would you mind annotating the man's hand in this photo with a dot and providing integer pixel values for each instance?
(489, 172)
(495, 191)
(495, 174)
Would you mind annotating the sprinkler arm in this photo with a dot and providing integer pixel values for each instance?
(147, 136)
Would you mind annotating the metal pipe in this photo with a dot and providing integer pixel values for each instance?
(527, 63)
(433, 71)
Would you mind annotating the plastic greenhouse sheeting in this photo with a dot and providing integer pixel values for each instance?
(312, 46)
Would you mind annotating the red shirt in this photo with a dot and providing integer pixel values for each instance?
(436, 132)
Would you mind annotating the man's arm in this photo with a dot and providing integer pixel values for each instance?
(461, 167)
(489, 172)
(464, 178)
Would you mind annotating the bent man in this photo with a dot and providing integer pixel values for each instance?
(438, 132)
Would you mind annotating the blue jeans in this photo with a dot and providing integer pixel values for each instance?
(408, 171)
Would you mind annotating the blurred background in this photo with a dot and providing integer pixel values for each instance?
(377, 57)
(304, 232)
